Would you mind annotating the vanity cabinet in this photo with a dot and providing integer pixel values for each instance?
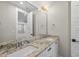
(51, 51)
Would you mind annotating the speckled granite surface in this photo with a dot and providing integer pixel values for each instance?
(40, 44)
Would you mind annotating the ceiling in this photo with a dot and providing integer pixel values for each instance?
(25, 6)
(32, 5)
(40, 3)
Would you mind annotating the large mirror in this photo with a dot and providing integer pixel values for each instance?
(15, 25)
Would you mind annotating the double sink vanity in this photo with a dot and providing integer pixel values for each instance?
(44, 47)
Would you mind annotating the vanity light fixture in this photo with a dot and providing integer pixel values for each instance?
(43, 8)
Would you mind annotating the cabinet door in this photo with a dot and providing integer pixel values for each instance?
(44, 54)
(48, 52)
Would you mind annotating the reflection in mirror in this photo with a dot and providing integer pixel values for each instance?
(10, 21)
(22, 17)
(20, 28)
(8, 17)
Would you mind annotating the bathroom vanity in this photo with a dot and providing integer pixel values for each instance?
(45, 47)
(40, 47)
(48, 47)
(50, 51)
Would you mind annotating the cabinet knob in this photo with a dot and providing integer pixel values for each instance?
(32, 34)
(49, 49)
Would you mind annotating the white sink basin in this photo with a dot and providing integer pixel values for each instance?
(23, 52)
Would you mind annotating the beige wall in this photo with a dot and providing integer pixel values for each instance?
(7, 22)
(58, 24)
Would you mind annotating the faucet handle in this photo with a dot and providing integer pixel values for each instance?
(27, 41)
(1, 46)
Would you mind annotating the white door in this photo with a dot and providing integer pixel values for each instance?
(75, 29)
(40, 23)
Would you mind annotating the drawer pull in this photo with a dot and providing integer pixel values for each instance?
(49, 49)
(74, 40)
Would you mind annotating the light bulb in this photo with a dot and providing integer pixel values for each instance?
(44, 7)
(21, 3)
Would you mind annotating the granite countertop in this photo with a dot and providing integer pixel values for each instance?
(40, 44)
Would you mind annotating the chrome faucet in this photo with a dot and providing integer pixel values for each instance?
(21, 43)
